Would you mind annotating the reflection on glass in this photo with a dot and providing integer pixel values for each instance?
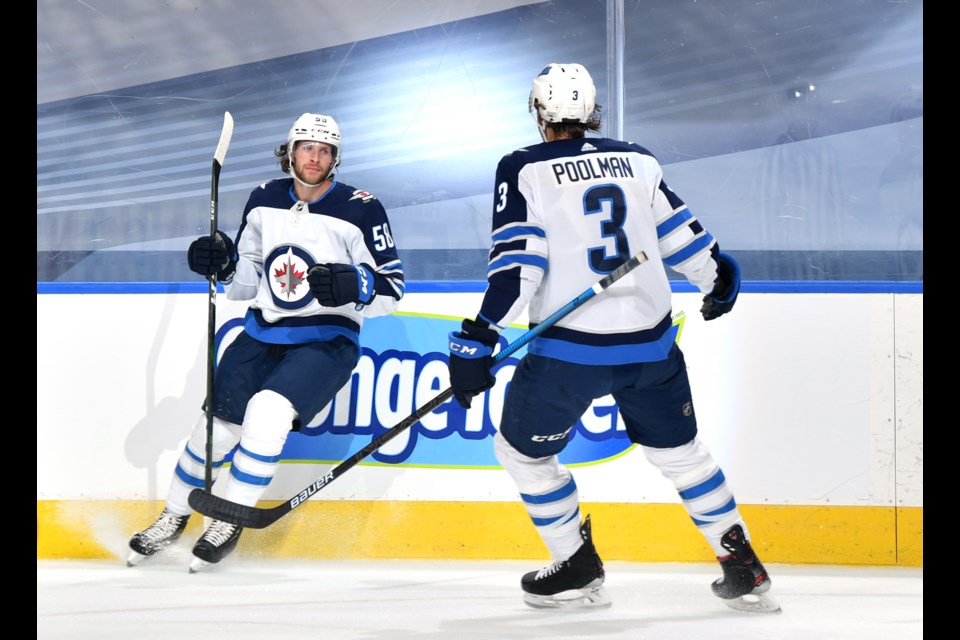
(794, 130)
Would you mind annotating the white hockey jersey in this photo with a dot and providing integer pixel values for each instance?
(568, 212)
(280, 238)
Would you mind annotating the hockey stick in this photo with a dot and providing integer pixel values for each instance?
(218, 157)
(257, 518)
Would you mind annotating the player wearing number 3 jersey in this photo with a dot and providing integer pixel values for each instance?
(566, 211)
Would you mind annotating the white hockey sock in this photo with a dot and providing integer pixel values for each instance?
(549, 495)
(190, 472)
(265, 429)
(702, 487)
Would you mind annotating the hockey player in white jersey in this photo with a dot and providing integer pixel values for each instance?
(315, 257)
(566, 211)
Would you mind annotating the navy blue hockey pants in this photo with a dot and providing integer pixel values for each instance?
(546, 397)
(308, 375)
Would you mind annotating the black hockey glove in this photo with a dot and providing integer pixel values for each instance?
(210, 255)
(471, 350)
(725, 289)
(334, 285)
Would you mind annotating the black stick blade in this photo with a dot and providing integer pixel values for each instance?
(220, 509)
(251, 517)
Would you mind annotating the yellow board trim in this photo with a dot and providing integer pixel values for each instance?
(834, 535)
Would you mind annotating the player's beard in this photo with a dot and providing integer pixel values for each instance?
(299, 177)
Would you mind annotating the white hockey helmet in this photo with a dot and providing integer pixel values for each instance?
(313, 126)
(563, 93)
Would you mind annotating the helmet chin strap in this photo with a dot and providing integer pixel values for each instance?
(293, 172)
(307, 184)
(542, 126)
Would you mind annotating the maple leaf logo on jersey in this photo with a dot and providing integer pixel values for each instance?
(288, 278)
(366, 196)
(284, 271)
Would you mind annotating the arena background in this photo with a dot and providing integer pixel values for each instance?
(793, 130)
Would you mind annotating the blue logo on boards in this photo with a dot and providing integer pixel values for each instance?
(399, 371)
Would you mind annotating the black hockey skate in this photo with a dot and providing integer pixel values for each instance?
(745, 582)
(575, 582)
(162, 533)
(216, 543)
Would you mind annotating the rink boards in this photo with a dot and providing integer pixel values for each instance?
(811, 403)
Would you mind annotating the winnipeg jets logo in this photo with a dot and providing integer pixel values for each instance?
(285, 269)
(362, 195)
(287, 277)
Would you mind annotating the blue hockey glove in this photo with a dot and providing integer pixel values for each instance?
(725, 290)
(471, 350)
(208, 255)
(334, 285)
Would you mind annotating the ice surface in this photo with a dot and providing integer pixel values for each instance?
(246, 598)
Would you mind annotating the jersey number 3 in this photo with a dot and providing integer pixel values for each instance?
(611, 227)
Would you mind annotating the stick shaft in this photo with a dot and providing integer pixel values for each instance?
(257, 518)
(219, 155)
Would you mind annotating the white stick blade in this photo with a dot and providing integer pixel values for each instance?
(225, 134)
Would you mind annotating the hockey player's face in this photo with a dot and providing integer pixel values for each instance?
(312, 161)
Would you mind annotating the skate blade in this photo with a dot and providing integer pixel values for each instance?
(197, 565)
(135, 558)
(754, 603)
(586, 598)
